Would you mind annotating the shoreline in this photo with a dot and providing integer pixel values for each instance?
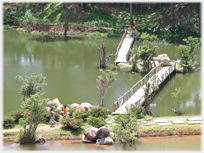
(153, 130)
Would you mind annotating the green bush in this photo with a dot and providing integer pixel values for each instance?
(16, 115)
(96, 121)
(82, 115)
(8, 122)
(99, 112)
(72, 123)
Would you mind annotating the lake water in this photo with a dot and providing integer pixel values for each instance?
(70, 68)
(173, 143)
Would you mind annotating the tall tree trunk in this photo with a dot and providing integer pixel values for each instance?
(65, 19)
(179, 6)
(200, 15)
(82, 6)
(172, 12)
(131, 20)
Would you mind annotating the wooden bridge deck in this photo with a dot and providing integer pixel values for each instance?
(135, 96)
(124, 48)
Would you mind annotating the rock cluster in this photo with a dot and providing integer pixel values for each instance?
(100, 136)
(79, 107)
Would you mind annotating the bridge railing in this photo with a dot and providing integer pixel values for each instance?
(120, 44)
(120, 101)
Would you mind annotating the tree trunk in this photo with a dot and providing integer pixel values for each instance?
(172, 12)
(131, 20)
(200, 14)
(82, 6)
(179, 6)
(65, 19)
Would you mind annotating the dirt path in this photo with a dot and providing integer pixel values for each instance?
(42, 127)
(47, 127)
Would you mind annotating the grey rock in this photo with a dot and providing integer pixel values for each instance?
(105, 141)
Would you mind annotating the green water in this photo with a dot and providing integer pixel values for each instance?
(70, 67)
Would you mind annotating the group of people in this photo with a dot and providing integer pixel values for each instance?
(52, 114)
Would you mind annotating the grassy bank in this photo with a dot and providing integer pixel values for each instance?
(59, 132)
(106, 19)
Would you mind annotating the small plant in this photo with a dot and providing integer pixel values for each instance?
(8, 122)
(99, 112)
(96, 121)
(72, 123)
(82, 115)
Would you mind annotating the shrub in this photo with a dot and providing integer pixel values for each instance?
(16, 115)
(8, 122)
(96, 121)
(82, 115)
(99, 112)
(72, 123)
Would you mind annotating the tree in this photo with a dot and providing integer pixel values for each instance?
(32, 84)
(172, 12)
(131, 19)
(103, 60)
(127, 125)
(104, 81)
(65, 19)
(36, 107)
(176, 95)
(188, 52)
(147, 51)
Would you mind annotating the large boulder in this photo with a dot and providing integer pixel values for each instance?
(85, 139)
(90, 133)
(102, 132)
(79, 108)
(163, 58)
(54, 101)
(86, 106)
(47, 108)
(60, 109)
(74, 105)
(105, 141)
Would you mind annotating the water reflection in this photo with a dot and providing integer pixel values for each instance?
(71, 70)
(172, 143)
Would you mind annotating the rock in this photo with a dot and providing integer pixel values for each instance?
(102, 132)
(74, 105)
(180, 70)
(79, 108)
(154, 63)
(105, 141)
(48, 109)
(54, 101)
(85, 139)
(90, 133)
(163, 58)
(60, 108)
(86, 106)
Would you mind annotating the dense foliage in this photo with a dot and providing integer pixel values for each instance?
(96, 121)
(81, 115)
(99, 112)
(8, 122)
(72, 123)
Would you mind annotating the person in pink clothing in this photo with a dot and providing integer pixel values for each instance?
(52, 119)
